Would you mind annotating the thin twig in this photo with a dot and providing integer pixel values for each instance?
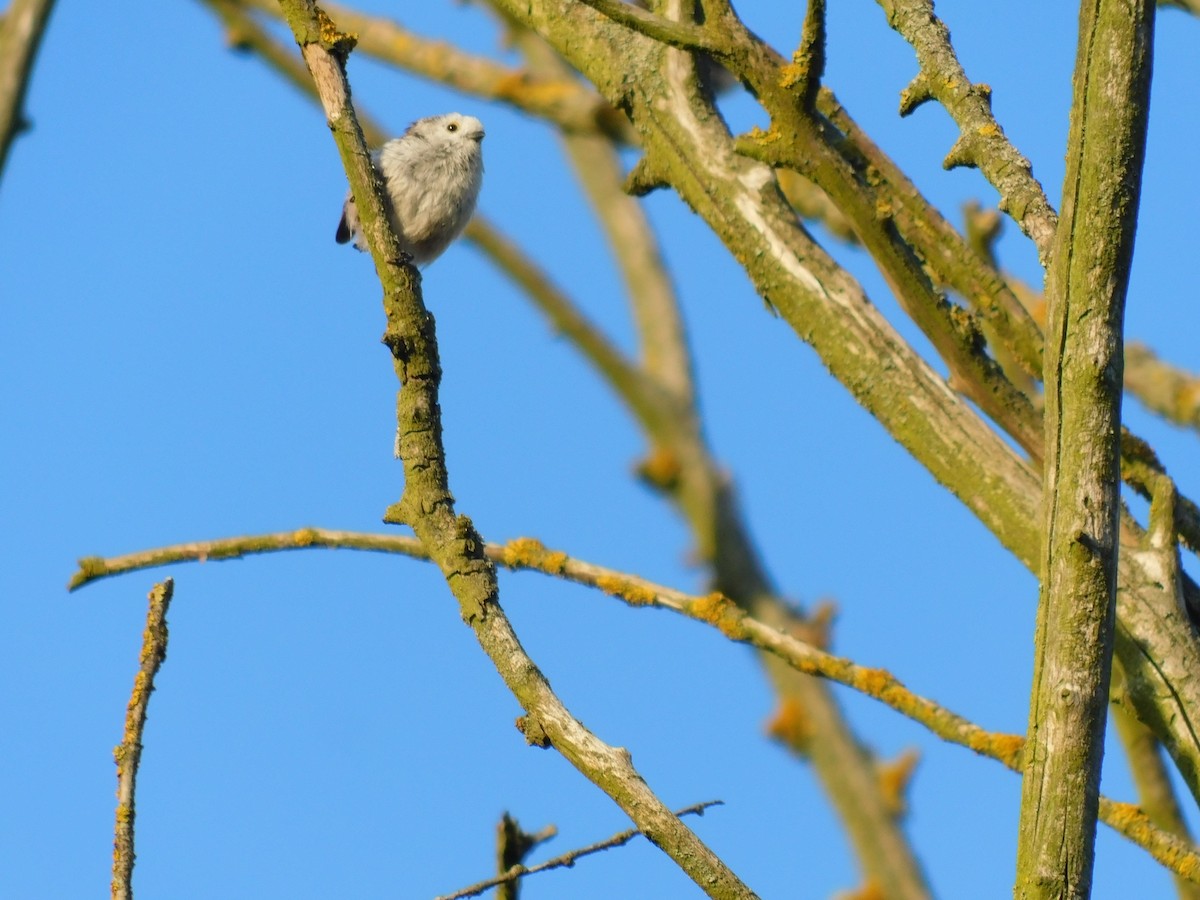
(568, 859)
(513, 844)
(566, 317)
(128, 753)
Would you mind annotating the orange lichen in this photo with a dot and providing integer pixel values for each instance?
(793, 73)
(518, 87)
(874, 681)
(338, 41)
(523, 552)
(629, 591)
(529, 553)
(1004, 747)
(762, 137)
(1124, 816)
(719, 610)
(304, 537)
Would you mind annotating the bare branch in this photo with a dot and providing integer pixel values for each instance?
(566, 102)
(682, 35)
(427, 506)
(1192, 6)
(513, 844)
(1156, 794)
(568, 859)
(128, 754)
(981, 142)
(664, 351)
(714, 609)
(626, 379)
(950, 258)
(1167, 390)
(1085, 291)
(691, 149)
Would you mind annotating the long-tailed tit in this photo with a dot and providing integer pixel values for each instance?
(432, 174)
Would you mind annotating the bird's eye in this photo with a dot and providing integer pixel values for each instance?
(453, 126)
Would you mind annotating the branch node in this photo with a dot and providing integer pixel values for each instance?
(895, 779)
(763, 146)
(338, 43)
(917, 93)
(965, 153)
(803, 75)
(643, 179)
(535, 734)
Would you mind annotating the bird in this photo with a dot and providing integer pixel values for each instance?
(432, 175)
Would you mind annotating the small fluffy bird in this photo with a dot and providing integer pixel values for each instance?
(432, 174)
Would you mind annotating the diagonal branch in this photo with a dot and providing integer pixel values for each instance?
(597, 165)
(692, 150)
(952, 261)
(683, 467)
(427, 506)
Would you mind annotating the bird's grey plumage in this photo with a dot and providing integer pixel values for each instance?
(432, 174)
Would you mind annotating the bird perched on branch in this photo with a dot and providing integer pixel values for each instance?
(431, 175)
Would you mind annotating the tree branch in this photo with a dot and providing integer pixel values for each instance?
(664, 352)
(427, 506)
(1156, 796)
(1086, 285)
(682, 466)
(565, 102)
(982, 143)
(714, 609)
(128, 754)
(950, 258)
(692, 150)
(678, 34)
(567, 859)
(1165, 389)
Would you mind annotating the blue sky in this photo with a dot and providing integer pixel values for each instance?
(188, 355)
